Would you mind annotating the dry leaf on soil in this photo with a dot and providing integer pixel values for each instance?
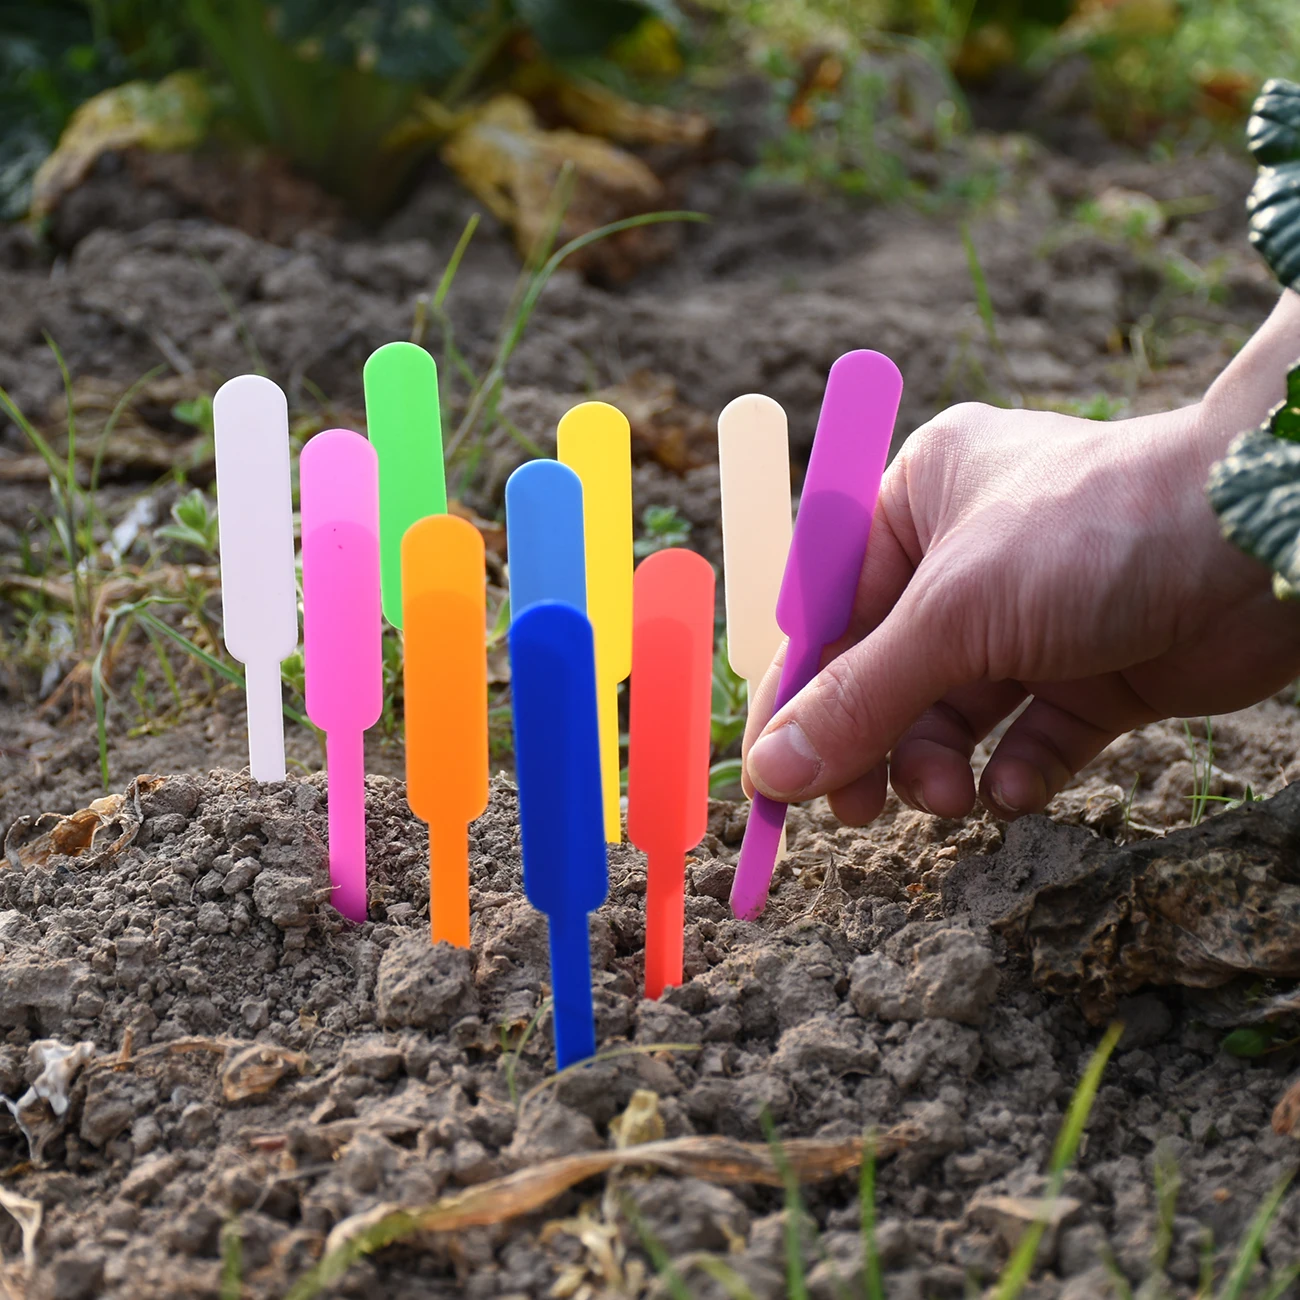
(508, 162)
(27, 1214)
(714, 1159)
(664, 428)
(257, 1069)
(172, 114)
(103, 830)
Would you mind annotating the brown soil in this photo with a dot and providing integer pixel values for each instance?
(210, 923)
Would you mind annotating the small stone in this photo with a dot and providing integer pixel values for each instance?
(210, 885)
(713, 879)
(166, 824)
(1007, 1217)
(109, 1108)
(149, 1177)
(1080, 1249)
(372, 1058)
(686, 1214)
(931, 1049)
(197, 1122)
(88, 1005)
(255, 1013)
(146, 1134)
(1146, 1021)
(470, 1162)
(878, 989)
(954, 978)
(212, 920)
(285, 900)
(177, 794)
(77, 1275)
(423, 985)
(551, 1129)
(241, 875)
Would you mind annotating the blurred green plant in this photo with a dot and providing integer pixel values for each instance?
(194, 523)
(729, 711)
(661, 527)
(56, 53)
(353, 95)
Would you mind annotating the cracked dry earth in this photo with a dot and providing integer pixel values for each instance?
(253, 1060)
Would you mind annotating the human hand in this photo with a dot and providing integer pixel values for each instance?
(1021, 553)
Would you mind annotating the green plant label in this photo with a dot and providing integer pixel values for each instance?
(405, 426)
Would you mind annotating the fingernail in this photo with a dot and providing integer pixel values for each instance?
(918, 800)
(998, 793)
(783, 763)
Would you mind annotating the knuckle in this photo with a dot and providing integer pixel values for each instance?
(840, 705)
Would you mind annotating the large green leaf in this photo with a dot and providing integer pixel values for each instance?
(1255, 489)
(1274, 207)
(1273, 132)
(576, 28)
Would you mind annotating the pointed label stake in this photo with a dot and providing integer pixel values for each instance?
(754, 472)
(342, 637)
(557, 759)
(445, 604)
(544, 536)
(668, 742)
(754, 480)
(404, 424)
(826, 556)
(595, 440)
(259, 588)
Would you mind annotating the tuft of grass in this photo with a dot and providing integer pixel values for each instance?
(481, 410)
(1202, 771)
(194, 523)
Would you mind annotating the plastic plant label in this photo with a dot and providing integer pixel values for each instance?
(342, 637)
(595, 440)
(445, 603)
(259, 588)
(827, 551)
(668, 742)
(404, 423)
(557, 760)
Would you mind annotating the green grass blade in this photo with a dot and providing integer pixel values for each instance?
(1243, 1267)
(1021, 1264)
(983, 299)
(659, 1260)
(725, 1276)
(164, 664)
(513, 1058)
(871, 1278)
(232, 1262)
(32, 434)
(796, 1281)
(453, 263)
(111, 423)
(1168, 1185)
(1287, 1279)
(1117, 1278)
(725, 775)
(232, 675)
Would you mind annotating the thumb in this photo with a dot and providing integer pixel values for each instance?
(847, 719)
